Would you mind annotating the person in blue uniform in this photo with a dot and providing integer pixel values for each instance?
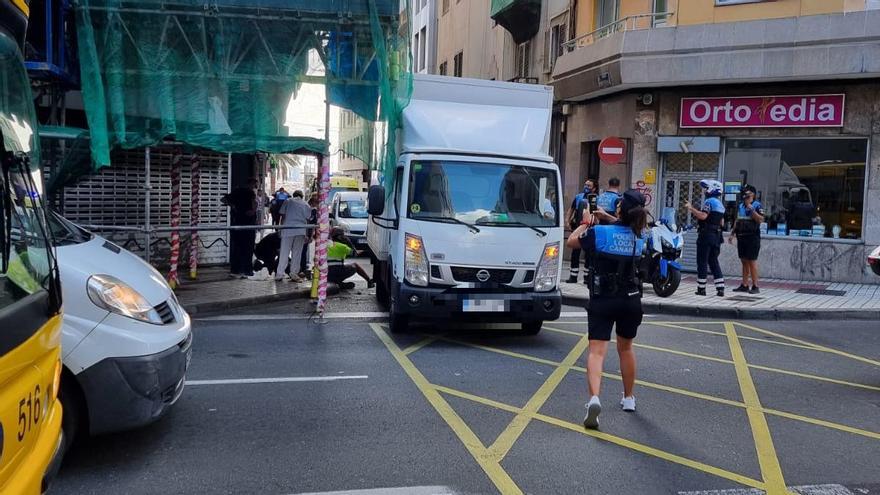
(710, 218)
(575, 217)
(615, 302)
(746, 229)
(607, 202)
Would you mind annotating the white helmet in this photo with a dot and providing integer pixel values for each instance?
(712, 187)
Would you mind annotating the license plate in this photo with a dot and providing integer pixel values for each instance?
(484, 305)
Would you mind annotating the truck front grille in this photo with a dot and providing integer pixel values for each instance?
(469, 274)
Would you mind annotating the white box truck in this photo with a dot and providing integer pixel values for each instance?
(469, 227)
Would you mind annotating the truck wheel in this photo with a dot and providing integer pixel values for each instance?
(382, 294)
(532, 327)
(398, 323)
(666, 287)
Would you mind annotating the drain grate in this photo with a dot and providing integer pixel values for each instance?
(821, 292)
(744, 299)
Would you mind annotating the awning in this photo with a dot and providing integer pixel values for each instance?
(521, 18)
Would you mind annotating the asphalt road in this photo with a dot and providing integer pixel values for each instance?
(459, 410)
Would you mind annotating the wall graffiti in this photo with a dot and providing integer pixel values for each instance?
(646, 190)
(822, 260)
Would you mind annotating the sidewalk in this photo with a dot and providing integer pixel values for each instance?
(214, 291)
(779, 299)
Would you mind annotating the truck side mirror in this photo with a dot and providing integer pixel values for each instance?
(376, 200)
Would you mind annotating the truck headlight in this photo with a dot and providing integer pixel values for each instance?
(548, 268)
(116, 296)
(415, 261)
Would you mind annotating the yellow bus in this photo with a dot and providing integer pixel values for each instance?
(31, 442)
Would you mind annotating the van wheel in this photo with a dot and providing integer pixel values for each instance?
(398, 323)
(73, 417)
(532, 327)
(382, 294)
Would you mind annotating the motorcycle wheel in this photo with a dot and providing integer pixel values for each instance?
(665, 287)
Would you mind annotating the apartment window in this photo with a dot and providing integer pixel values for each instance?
(734, 2)
(416, 50)
(523, 58)
(555, 48)
(443, 69)
(660, 7)
(445, 6)
(606, 12)
(422, 48)
(457, 64)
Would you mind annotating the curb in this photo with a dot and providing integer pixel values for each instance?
(744, 313)
(217, 306)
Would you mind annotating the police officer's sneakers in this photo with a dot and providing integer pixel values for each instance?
(628, 404)
(594, 407)
(720, 292)
(741, 288)
(701, 291)
(755, 290)
(571, 280)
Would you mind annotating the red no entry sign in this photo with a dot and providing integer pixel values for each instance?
(612, 150)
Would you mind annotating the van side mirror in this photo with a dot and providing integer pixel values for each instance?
(376, 200)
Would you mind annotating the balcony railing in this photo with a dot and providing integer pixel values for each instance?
(630, 23)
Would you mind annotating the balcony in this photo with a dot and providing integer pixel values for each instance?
(648, 50)
(521, 18)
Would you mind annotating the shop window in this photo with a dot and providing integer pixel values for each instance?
(809, 187)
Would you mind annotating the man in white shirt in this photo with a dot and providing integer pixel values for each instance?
(295, 211)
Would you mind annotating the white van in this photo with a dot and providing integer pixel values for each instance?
(471, 225)
(349, 212)
(126, 341)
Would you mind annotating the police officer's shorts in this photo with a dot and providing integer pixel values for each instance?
(603, 313)
(748, 247)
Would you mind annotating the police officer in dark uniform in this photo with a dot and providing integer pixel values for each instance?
(615, 285)
(575, 217)
(746, 229)
(709, 238)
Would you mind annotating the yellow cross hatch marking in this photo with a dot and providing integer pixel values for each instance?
(771, 471)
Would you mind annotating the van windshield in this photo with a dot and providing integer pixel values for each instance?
(483, 194)
(356, 208)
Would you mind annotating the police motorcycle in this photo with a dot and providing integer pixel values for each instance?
(664, 245)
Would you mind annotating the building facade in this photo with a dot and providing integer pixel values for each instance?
(355, 146)
(783, 95)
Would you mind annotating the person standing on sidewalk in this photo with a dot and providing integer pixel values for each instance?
(709, 239)
(242, 202)
(607, 202)
(575, 217)
(613, 252)
(747, 230)
(294, 212)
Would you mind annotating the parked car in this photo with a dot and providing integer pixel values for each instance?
(349, 212)
(874, 260)
(126, 341)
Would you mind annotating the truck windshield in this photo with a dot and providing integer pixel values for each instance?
(499, 195)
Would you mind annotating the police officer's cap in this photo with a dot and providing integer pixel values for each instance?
(631, 199)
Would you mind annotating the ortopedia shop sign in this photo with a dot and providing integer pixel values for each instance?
(763, 111)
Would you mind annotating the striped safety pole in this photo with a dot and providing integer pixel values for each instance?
(196, 162)
(323, 231)
(173, 280)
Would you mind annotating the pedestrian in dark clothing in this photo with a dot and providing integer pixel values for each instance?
(242, 202)
(266, 253)
(278, 200)
(575, 217)
(747, 230)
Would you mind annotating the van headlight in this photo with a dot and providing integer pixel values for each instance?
(415, 261)
(114, 295)
(548, 268)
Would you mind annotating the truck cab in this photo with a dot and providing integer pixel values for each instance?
(469, 225)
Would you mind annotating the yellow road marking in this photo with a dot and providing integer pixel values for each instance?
(517, 426)
(681, 391)
(418, 345)
(614, 439)
(741, 337)
(753, 366)
(491, 467)
(815, 346)
(771, 471)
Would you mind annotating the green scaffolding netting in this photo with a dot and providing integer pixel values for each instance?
(222, 74)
